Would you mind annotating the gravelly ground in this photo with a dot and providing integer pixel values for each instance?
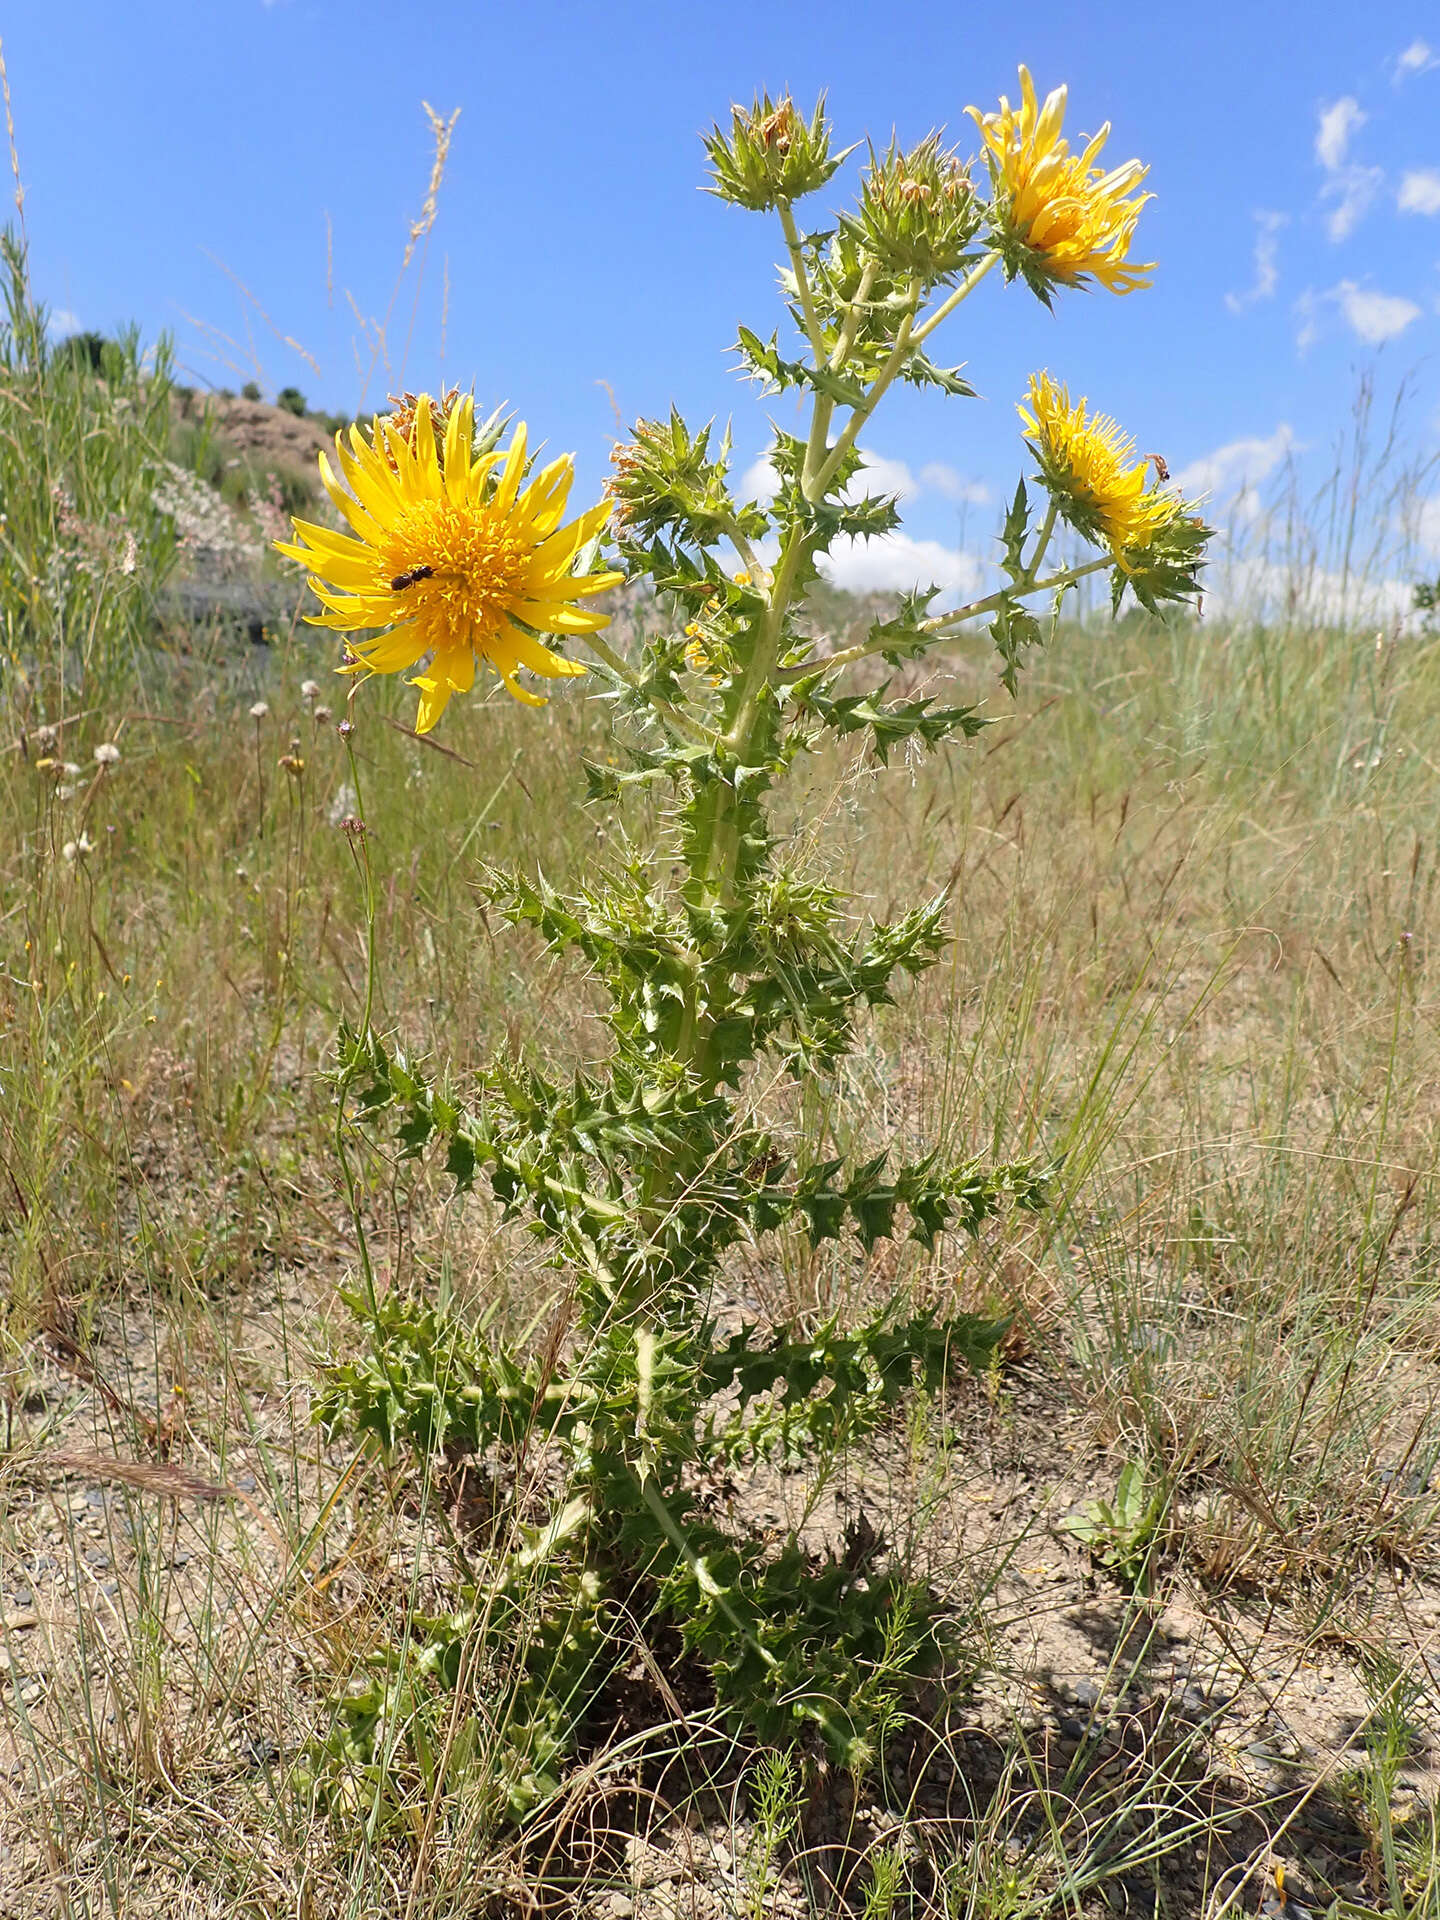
(1247, 1717)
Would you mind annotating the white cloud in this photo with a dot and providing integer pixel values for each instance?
(1353, 189)
(759, 482)
(1306, 307)
(1267, 272)
(1376, 317)
(894, 563)
(61, 321)
(1237, 468)
(1420, 191)
(1417, 58)
(953, 485)
(1337, 123)
(1427, 525)
(1262, 589)
(878, 474)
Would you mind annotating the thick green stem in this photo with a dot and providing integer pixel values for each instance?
(802, 282)
(749, 559)
(1042, 541)
(824, 406)
(853, 313)
(909, 337)
(943, 625)
(739, 736)
(899, 354)
(947, 306)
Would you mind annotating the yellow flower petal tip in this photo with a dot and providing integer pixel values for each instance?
(454, 560)
(1058, 218)
(1087, 462)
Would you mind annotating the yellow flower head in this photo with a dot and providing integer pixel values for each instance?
(1064, 219)
(1089, 466)
(452, 557)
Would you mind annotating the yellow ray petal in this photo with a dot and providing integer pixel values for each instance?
(406, 467)
(372, 483)
(523, 694)
(558, 616)
(422, 443)
(1050, 121)
(363, 523)
(454, 667)
(546, 515)
(562, 546)
(511, 472)
(433, 701)
(360, 576)
(351, 613)
(459, 434)
(390, 652)
(546, 587)
(326, 540)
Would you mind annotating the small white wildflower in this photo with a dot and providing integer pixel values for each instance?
(46, 738)
(107, 754)
(77, 849)
(322, 714)
(260, 709)
(70, 770)
(129, 554)
(309, 690)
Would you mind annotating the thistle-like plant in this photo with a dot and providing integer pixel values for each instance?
(721, 952)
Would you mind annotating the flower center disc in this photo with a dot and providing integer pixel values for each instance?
(477, 570)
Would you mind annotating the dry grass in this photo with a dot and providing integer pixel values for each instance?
(1194, 889)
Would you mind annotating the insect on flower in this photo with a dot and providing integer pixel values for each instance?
(1088, 462)
(455, 559)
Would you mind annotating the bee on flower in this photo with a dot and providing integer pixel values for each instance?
(1057, 218)
(454, 556)
(1088, 463)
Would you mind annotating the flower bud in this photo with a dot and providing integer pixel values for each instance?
(918, 213)
(665, 476)
(772, 154)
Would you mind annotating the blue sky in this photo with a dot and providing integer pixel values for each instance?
(168, 145)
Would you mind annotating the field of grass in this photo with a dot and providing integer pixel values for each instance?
(1189, 1521)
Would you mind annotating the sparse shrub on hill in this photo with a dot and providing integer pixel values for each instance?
(87, 348)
